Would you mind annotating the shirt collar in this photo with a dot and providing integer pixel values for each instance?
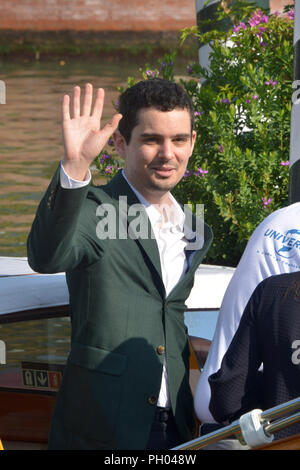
(175, 215)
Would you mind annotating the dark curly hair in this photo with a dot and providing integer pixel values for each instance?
(157, 93)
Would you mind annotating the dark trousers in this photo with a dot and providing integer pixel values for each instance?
(164, 434)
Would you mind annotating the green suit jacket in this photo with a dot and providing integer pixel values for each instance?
(120, 319)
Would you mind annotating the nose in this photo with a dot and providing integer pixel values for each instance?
(166, 150)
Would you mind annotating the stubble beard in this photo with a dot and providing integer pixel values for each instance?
(162, 185)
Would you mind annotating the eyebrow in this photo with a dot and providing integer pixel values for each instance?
(153, 134)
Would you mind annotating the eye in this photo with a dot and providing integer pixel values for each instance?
(181, 140)
(150, 140)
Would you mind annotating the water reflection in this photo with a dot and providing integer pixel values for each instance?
(30, 134)
(44, 340)
(33, 344)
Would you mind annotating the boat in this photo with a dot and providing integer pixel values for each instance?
(35, 343)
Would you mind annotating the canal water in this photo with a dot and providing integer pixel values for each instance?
(30, 132)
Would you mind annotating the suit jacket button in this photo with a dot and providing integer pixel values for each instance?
(152, 400)
(160, 349)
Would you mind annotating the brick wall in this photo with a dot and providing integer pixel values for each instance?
(104, 15)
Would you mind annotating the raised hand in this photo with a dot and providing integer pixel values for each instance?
(82, 135)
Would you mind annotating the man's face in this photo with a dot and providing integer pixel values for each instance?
(158, 152)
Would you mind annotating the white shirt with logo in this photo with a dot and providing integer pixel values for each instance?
(274, 248)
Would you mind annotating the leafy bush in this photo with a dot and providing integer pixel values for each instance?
(239, 169)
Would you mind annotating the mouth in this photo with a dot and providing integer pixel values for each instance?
(164, 171)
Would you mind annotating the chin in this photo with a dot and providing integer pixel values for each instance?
(163, 186)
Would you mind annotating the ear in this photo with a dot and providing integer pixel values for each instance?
(193, 140)
(120, 143)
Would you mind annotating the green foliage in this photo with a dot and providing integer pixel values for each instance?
(239, 169)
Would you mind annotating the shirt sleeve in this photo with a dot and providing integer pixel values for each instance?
(69, 183)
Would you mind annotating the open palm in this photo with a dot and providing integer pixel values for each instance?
(82, 134)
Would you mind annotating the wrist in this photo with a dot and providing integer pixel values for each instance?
(76, 170)
(69, 183)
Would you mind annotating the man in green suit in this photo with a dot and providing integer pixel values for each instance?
(130, 253)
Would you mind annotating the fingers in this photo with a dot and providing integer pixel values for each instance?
(76, 102)
(105, 133)
(111, 126)
(87, 106)
(87, 102)
(99, 103)
(66, 108)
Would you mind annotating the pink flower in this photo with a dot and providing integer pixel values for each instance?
(271, 82)
(266, 201)
(262, 29)
(109, 170)
(240, 26)
(104, 157)
(257, 18)
(151, 73)
(264, 19)
(201, 172)
(285, 163)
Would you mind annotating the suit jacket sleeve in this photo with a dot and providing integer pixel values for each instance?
(234, 388)
(63, 234)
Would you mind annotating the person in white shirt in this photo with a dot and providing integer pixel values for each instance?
(274, 248)
(126, 383)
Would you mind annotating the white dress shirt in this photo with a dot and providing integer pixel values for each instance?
(168, 228)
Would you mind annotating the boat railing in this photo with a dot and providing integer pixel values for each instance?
(270, 424)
